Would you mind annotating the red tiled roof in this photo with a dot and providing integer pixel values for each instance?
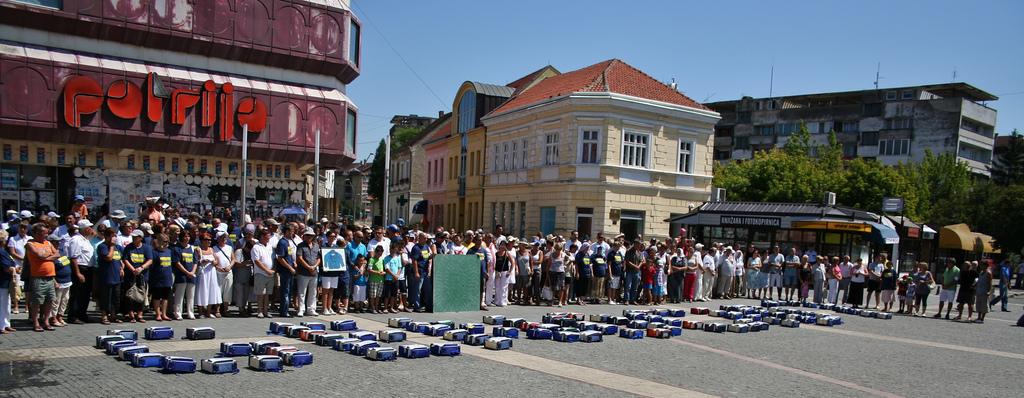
(523, 81)
(612, 76)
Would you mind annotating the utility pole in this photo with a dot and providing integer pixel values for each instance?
(245, 170)
(316, 179)
(387, 178)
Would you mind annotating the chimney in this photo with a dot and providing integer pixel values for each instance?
(440, 114)
(674, 85)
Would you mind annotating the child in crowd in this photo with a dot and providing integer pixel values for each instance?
(359, 287)
(376, 278)
(906, 290)
(647, 274)
(888, 286)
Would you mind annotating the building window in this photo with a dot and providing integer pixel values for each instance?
(869, 138)
(551, 149)
(849, 150)
(350, 132)
(635, 148)
(786, 128)
(584, 221)
(819, 127)
(494, 215)
(764, 130)
(901, 123)
(686, 156)
(974, 153)
(353, 42)
(976, 127)
(873, 109)
(589, 144)
(506, 157)
(547, 220)
(907, 94)
(742, 143)
(523, 154)
(497, 155)
(722, 154)
(131, 162)
(893, 147)
(847, 126)
(890, 95)
(160, 163)
(514, 155)
(467, 112)
(743, 117)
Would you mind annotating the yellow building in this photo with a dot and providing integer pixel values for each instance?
(464, 190)
(605, 148)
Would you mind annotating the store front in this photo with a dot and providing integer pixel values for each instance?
(134, 129)
(829, 230)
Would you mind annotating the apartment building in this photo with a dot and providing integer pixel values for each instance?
(892, 125)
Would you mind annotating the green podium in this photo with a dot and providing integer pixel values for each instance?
(456, 283)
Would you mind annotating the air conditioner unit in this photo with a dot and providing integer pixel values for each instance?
(830, 198)
(718, 195)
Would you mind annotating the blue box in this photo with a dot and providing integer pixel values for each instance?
(632, 334)
(591, 336)
(159, 333)
(510, 332)
(362, 347)
(472, 328)
(476, 339)
(445, 349)
(539, 334)
(229, 349)
(343, 325)
(362, 335)
(179, 365)
(566, 336)
(413, 351)
(608, 329)
(344, 344)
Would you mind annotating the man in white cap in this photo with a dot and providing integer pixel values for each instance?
(64, 232)
(307, 266)
(16, 247)
(80, 252)
(26, 215)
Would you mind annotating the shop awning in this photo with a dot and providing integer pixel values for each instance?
(910, 228)
(957, 237)
(960, 237)
(927, 232)
(420, 207)
(883, 234)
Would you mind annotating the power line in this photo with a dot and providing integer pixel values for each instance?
(366, 17)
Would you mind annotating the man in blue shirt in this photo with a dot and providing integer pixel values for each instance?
(284, 264)
(1004, 284)
(422, 256)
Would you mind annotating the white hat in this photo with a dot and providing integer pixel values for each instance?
(9, 212)
(52, 214)
(25, 214)
(272, 221)
(222, 228)
(247, 219)
(324, 219)
(146, 227)
(139, 233)
(220, 233)
(699, 246)
(117, 214)
(84, 223)
(308, 231)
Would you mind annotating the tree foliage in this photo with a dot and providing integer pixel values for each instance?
(943, 186)
(375, 187)
(1008, 167)
(997, 210)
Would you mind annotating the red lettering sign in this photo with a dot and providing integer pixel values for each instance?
(83, 96)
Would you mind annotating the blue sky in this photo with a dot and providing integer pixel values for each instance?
(715, 50)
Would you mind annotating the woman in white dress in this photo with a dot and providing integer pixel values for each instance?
(207, 289)
(223, 260)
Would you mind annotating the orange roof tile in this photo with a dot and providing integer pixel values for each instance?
(613, 76)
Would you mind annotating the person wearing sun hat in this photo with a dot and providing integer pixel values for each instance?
(78, 207)
(307, 265)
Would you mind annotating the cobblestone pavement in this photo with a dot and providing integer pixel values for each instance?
(905, 356)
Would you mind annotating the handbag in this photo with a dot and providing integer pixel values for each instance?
(545, 293)
(135, 294)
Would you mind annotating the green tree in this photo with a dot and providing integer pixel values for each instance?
(997, 212)
(375, 187)
(403, 136)
(868, 181)
(1008, 167)
(799, 144)
(943, 186)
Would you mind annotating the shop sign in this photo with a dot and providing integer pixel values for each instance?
(215, 106)
(833, 226)
(913, 232)
(751, 221)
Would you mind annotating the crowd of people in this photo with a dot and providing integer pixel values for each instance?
(163, 266)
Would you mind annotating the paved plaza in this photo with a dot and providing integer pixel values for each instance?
(904, 356)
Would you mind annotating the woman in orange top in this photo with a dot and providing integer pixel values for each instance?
(41, 255)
